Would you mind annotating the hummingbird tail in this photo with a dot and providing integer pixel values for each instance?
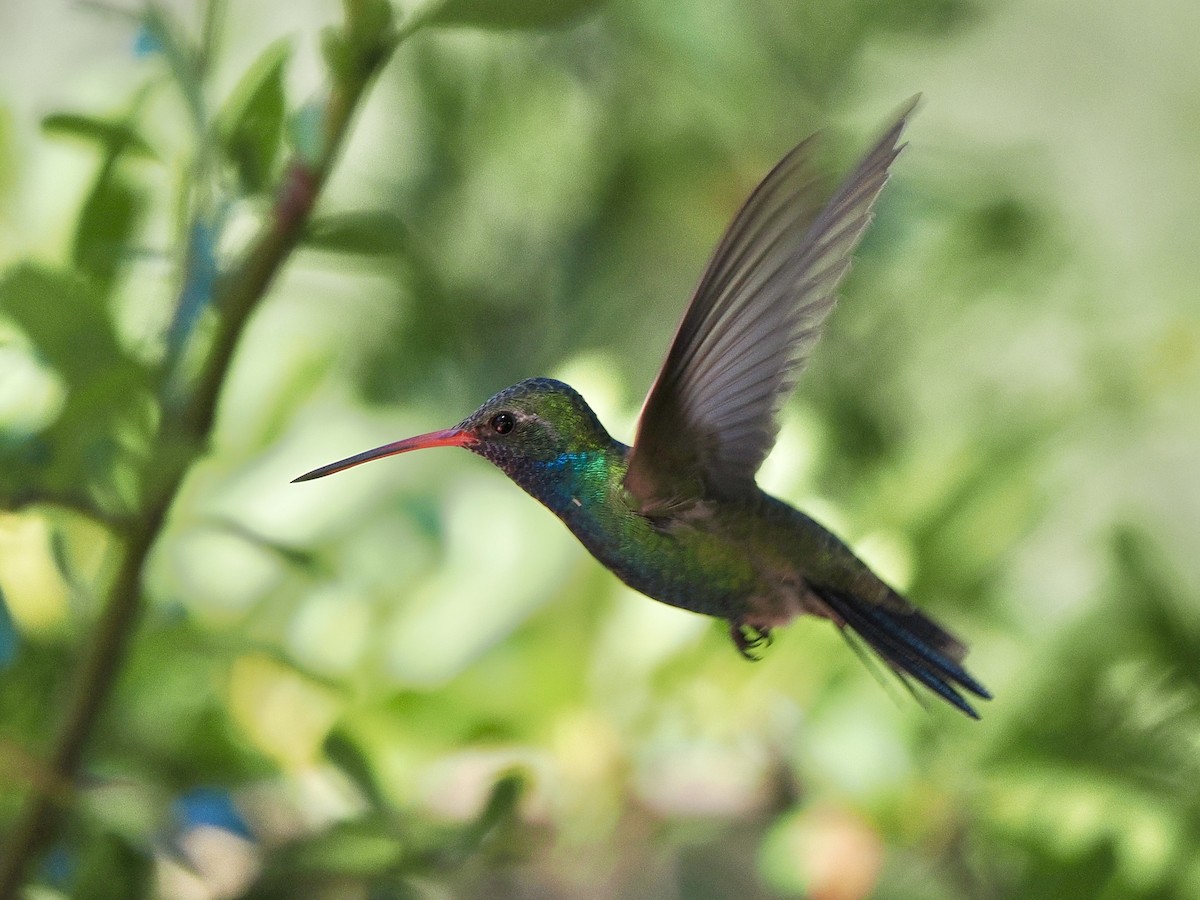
(912, 645)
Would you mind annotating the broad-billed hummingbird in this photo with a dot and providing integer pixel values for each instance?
(678, 515)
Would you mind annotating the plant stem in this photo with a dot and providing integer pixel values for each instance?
(184, 438)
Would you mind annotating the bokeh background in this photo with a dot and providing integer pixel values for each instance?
(409, 680)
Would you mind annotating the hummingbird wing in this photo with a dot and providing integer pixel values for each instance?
(710, 418)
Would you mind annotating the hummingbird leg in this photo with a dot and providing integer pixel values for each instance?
(748, 638)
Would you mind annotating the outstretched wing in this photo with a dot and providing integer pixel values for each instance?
(710, 418)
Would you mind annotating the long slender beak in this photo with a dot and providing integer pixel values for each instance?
(451, 437)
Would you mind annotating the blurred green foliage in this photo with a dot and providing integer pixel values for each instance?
(408, 681)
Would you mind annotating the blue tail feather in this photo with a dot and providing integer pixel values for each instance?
(912, 644)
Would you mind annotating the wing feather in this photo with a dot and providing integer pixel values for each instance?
(710, 418)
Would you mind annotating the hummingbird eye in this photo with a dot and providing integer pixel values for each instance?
(502, 423)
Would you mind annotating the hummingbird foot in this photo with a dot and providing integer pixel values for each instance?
(749, 638)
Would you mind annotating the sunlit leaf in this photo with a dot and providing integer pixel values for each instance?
(251, 121)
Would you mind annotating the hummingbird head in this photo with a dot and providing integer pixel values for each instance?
(523, 430)
(534, 422)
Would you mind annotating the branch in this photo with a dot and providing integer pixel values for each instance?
(365, 47)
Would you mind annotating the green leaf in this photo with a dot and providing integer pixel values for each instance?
(366, 233)
(110, 867)
(66, 319)
(113, 135)
(251, 121)
(115, 204)
(355, 51)
(104, 425)
(363, 847)
(501, 809)
(107, 223)
(336, 51)
(345, 753)
(370, 21)
(505, 14)
(502, 804)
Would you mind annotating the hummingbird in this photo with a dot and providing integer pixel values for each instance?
(678, 516)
